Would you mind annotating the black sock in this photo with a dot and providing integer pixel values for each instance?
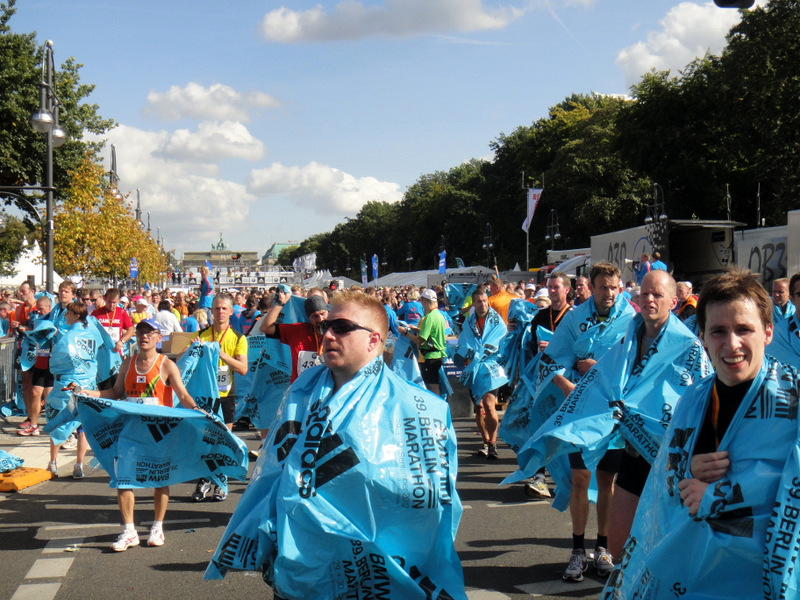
(602, 541)
(577, 542)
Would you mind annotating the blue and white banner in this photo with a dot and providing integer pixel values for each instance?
(198, 367)
(443, 262)
(269, 375)
(742, 543)
(785, 344)
(9, 462)
(337, 508)
(374, 266)
(478, 350)
(144, 446)
(621, 395)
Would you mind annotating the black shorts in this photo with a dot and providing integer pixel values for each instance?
(632, 474)
(609, 463)
(228, 408)
(41, 377)
(430, 370)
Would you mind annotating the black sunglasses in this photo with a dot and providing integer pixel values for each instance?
(342, 326)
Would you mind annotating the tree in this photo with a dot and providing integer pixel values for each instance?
(22, 151)
(13, 233)
(96, 232)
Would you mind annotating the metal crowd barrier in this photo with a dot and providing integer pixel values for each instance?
(7, 375)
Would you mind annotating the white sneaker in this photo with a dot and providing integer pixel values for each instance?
(156, 537)
(71, 443)
(53, 468)
(125, 540)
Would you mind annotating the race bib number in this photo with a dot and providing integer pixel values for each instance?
(113, 333)
(307, 359)
(224, 378)
(149, 400)
(43, 353)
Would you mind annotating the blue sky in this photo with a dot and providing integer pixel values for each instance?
(270, 122)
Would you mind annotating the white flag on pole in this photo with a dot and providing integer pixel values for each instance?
(533, 199)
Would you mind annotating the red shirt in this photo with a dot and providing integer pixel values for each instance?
(299, 337)
(115, 321)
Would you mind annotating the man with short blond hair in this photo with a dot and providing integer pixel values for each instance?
(341, 459)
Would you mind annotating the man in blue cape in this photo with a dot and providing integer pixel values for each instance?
(354, 492)
(584, 336)
(478, 347)
(630, 392)
(720, 511)
(785, 345)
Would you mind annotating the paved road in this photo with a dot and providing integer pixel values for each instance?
(54, 540)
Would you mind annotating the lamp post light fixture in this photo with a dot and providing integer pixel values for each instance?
(113, 178)
(45, 121)
(487, 243)
(384, 262)
(553, 229)
(409, 256)
(657, 210)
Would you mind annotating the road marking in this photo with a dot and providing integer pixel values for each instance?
(103, 525)
(486, 595)
(61, 544)
(558, 587)
(50, 567)
(518, 504)
(36, 591)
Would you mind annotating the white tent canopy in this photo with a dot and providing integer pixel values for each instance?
(29, 264)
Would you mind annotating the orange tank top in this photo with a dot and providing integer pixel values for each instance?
(147, 388)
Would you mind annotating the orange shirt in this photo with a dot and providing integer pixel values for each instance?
(147, 385)
(500, 302)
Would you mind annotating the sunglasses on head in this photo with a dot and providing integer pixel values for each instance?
(342, 326)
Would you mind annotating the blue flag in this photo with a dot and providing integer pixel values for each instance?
(374, 266)
(443, 262)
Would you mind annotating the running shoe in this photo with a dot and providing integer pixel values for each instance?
(156, 537)
(491, 452)
(202, 490)
(25, 424)
(252, 454)
(219, 494)
(125, 540)
(77, 471)
(537, 488)
(53, 468)
(603, 563)
(577, 565)
(484, 450)
(71, 443)
(32, 430)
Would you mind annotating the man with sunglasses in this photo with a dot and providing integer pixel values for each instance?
(355, 491)
(304, 339)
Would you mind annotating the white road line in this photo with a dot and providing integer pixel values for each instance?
(36, 591)
(50, 568)
(557, 586)
(61, 544)
(115, 525)
(485, 595)
(518, 504)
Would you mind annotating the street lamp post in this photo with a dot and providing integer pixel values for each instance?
(553, 229)
(45, 121)
(657, 210)
(487, 243)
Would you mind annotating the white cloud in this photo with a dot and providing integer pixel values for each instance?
(688, 31)
(321, 188)
(184, 198)
(396, 18)
(212, 141)
(217, 102)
